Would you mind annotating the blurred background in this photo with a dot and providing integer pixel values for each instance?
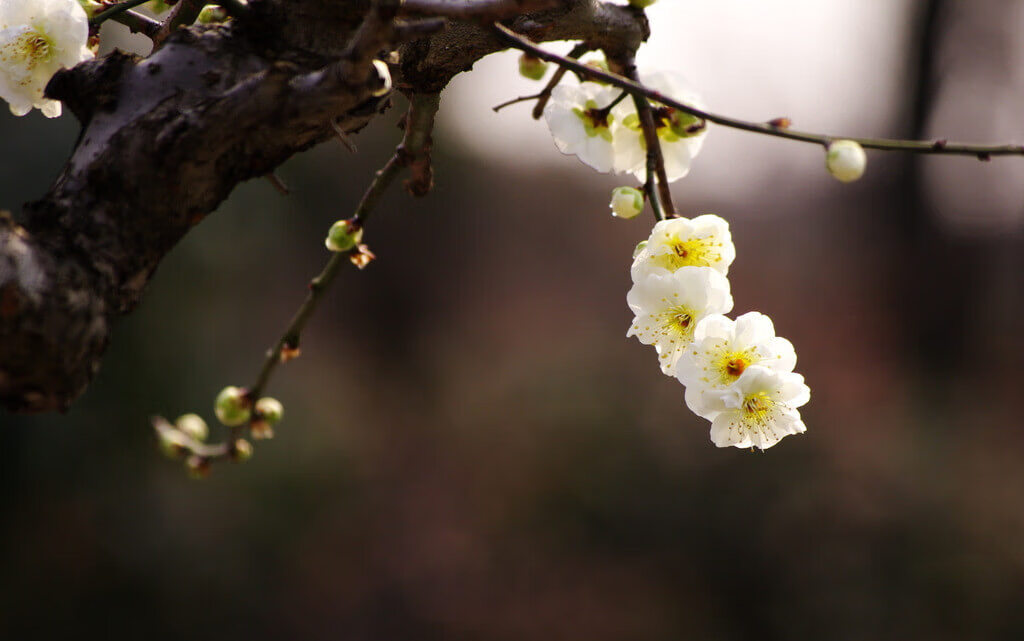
(472, 449)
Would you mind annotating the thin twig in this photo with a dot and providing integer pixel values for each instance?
(655, 158)
(545, 95)
(107, 14)
(982, 152)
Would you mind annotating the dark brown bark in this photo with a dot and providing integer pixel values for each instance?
(165, 140)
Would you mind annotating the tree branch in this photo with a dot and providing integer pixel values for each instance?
(982, 152)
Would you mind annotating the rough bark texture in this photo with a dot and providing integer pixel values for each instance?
(165, 139)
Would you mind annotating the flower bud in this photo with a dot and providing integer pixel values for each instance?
(385, 77)
(193, 426)
(642, 245)
(197, 467)
(212, 13)
(173, 443)
(641, 4)
(260, 430)
(242, 451)
(270, 410)
(627, 202)
(846, 160)
(343, 236)
(532, 67)
(232, 406)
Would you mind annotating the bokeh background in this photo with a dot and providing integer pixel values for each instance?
(472, 449)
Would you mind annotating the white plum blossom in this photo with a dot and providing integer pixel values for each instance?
(723, 349)
(681, 134)
(669, 305)
(38, 37)
(580, 126)
(704, 241)
(759, 409)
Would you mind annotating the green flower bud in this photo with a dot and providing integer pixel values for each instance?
(212, 14)
(193, 426)
(846, 160)
(642, 245)
(641, 4)
(343, 236)
(197, 467)
(242, 451)
(270, 410)
(159, 6)
(232, 406)
(173, 443)
(627, 202)
(532, 67)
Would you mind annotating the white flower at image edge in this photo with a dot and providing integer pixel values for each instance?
(723, 349)
(704, 241)
(669, 305)
(759, 409)
(680, 134)
(37, 38)
(577, 125)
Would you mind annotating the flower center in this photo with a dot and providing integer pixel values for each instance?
(682, 252)
(735, 366)
(757, 404)
(23, 54)
(596, 121)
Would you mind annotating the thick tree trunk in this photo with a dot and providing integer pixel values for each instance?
(165, 139)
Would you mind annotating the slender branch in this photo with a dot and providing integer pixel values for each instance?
(413, 148)
(183, 14)
(656, 176)
(982, 152)
(138, 23)
(545, 94)
(107, 14)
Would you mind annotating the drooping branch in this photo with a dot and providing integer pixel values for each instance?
(165, 139)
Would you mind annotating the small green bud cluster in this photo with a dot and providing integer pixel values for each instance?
(641, 4)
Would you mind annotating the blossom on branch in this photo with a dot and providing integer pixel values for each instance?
(581, 124)
(37, 38)
(723, 349)
(680, 134)
(704, 241)
(759, 409)
(669, 305)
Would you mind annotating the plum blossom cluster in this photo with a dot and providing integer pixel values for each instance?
(37, 38)
(599, 124)
(738, 374)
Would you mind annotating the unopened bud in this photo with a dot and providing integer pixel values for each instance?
(193, 426)
(270, 410)
(232, 406)
(627, 202)
(343, 236)
(384, 74)
(261, 430)
(846, 160)
(197, 467)
(641, 4)
(642, 245)
(212, 14)
(532, 67)
(173, 443)
(242, 451)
